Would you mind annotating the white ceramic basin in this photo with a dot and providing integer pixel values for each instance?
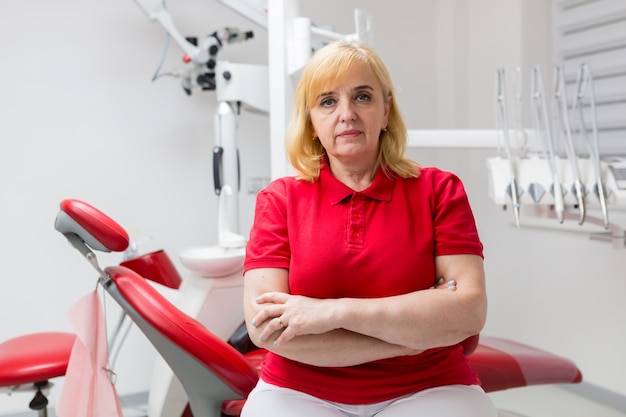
(213, 261)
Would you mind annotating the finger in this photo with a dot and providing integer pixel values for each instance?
(441, 283)
(273, 326)
(267, 313)
(285, 334)
(272, 297)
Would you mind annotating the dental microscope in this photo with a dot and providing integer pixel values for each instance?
(214, 281)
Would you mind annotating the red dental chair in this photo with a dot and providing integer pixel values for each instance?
(29, 362)
(216, 376)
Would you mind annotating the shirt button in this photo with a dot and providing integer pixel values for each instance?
(357, 215)
(355, 234)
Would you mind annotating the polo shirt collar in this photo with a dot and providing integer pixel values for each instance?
(381, 188)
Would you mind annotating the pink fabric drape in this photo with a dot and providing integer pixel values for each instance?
(88, 390)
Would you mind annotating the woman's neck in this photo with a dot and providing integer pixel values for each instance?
(356, 176)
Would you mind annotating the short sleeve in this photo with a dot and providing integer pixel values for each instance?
(455, 226)
(268, 245)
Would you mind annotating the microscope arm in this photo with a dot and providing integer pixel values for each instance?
(155, 10)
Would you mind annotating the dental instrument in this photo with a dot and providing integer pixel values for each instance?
(539, 114)
(237, 86)
(516, 109)
(535, 190)
(513, 189)
(585, 88)
(563, 125)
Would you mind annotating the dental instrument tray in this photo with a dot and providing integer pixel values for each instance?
(534, 179)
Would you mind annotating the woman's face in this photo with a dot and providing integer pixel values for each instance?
(349, 117)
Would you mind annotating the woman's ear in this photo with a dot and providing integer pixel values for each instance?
(388, 104)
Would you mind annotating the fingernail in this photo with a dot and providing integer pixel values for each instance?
(261, 337)
(452, 287)
(440, 281)
(451, 282)
(253, 322)
(257, 299)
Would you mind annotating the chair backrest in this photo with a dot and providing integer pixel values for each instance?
(209, 369)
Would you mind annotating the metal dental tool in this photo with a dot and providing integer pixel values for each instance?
(503, 129)
(562, 118)
(516, 109)
(535, 190)
(539, 114)
(584, 88)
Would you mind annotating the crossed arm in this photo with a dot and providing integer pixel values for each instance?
(351, 331)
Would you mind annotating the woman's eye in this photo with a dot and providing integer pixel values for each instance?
(363, 97)
(327, 102)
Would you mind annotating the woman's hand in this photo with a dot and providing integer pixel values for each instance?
(289, 316)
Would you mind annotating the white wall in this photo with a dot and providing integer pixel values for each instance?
(80, 118)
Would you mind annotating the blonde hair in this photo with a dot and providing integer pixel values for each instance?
(326, 66)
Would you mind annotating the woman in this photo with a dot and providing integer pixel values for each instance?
(364, 273)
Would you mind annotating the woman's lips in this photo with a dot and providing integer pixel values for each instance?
(350, 133)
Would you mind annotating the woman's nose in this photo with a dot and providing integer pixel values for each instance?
(347, 111)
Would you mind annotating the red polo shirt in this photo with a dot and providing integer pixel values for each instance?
(375, 243)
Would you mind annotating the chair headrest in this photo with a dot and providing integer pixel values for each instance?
(95, 228)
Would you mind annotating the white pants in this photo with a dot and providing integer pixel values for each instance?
(268, 400)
